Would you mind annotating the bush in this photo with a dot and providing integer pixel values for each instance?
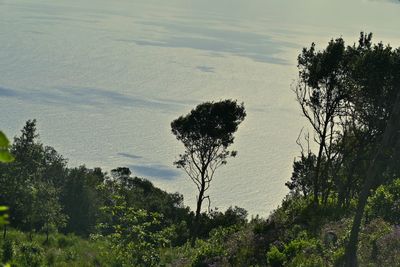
(30, 255)
(303, 260)
(8, 250)
(65, 241)
(302, 245)
(71, 255)
(339, 257)
(388, 248)
(298, 252)
(275, 258)
(385, 202)
(208, 254)
(51, 258)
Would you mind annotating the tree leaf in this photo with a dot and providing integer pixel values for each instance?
(4, 143)
(5, 156)
(3, 208)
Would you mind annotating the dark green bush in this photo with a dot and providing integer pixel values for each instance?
(65, 241)
(8, 250)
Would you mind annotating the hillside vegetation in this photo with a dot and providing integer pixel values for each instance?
(342, 209)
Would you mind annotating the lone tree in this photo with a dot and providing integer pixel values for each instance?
(206, 132)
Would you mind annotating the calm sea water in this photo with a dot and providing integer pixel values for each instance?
(104, 79)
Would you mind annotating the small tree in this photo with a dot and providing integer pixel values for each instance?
(134, 235)
(206, 133)
(47, 209)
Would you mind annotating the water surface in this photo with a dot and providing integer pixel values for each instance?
(104, 79)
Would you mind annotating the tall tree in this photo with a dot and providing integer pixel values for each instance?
(374, 178)
(81, 199)
(380, 114)
(35, 167)
(206, 133)
(321, 94)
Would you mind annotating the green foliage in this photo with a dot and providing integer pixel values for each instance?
(47, 210)
(275, 258)
(82, 198)
(347, 94)
(298, 252)
(212, 122)
(207, 253)
(141, 194)
(369, 238)
(135, 236)
(24, 182)
(385, 202)
(387, 248)
(3, 215)
(301, 181)
(30, 255)
(5, 155)
(206, 133)
(307, 260)
(66, 241)
(214, 250)
(8, 250)
(19, 250)
(226, 246)
(338, 257)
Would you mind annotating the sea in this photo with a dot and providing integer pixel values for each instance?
(105, 78)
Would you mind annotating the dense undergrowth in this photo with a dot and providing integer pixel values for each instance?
(296, 234)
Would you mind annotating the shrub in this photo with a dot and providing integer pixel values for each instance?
(303, 260)
(275, 258)
(208, 253)
(30, 255)
(51, 258)
(339, 257)
(385, 202)
(388, 248)
(301, 250)
(64, 241)
(8, 250)
(70, 255)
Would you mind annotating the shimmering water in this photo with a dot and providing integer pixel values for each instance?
(106, 78)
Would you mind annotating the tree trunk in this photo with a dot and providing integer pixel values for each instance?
(372, 180)
(317, 169)
(196, 223)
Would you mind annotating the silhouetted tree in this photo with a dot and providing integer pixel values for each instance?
(321, 92)
(384, 150)
(206, 133)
